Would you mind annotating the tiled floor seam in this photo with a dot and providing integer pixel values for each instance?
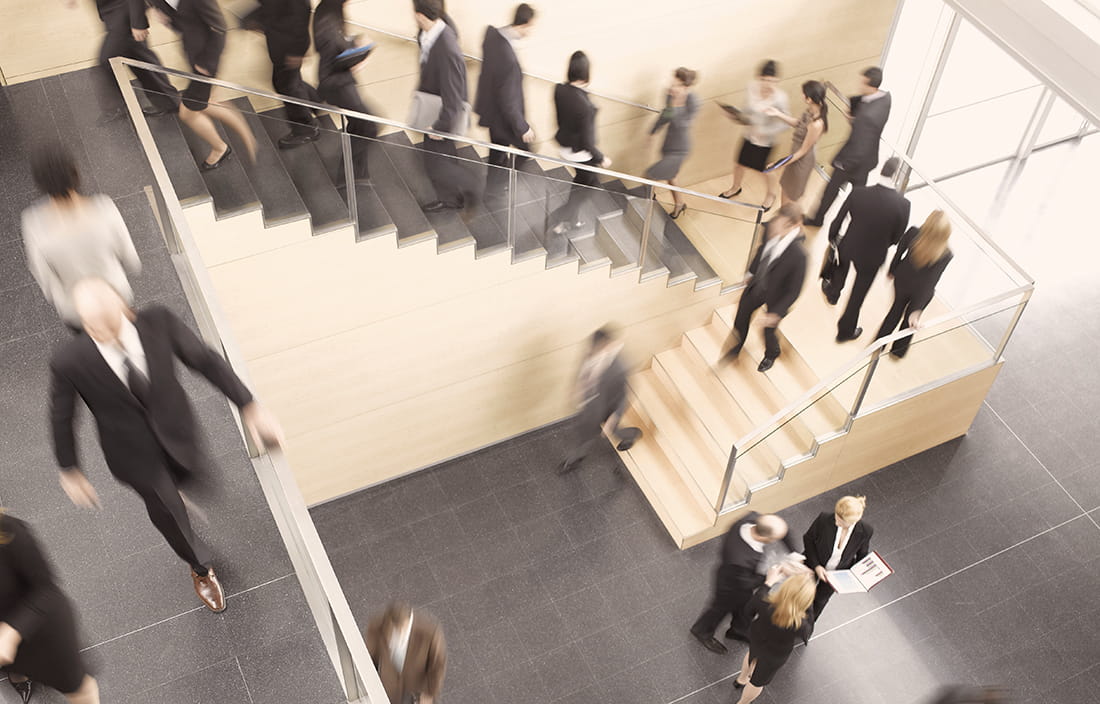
(244, 680)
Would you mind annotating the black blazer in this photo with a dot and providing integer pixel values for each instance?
(879, 217)
(817, 543)
(738, 561)
(576, 120)
(330, 41)
(286, 25)
(916, 284)
(860, 152)
(202, 28)
(770, 643)
(135, 8)
(29, 596)
(499, 102)
(134, 439)
(784, 278)
(444, 74)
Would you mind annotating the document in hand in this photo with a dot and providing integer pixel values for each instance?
(864, 574)
(735, 114)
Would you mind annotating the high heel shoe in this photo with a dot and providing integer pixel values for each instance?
(738, 685)
(678, 211)
(207, 166)
(727, 196)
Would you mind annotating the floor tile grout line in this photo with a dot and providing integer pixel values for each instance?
(244, 680)
(880, 607)
(1041, 464)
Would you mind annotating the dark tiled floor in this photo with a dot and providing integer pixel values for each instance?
(148, 639)
(567, 590)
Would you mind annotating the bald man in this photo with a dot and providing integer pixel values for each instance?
(122, 366)
(740, 572)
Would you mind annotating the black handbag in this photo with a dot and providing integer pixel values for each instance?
(830, 263)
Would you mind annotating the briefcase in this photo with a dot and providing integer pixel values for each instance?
(425, 110)
(830, 263)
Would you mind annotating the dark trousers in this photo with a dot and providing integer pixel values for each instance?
(505, 138)
(445, 170)
(344, 93)
(588, 428)
(583, 183)
(729, 599)
(751, 300)
(849, 321)
(166, 510)
(288, 81)
(119, 41)
(832, 188)
(897, 317)
(821, 598)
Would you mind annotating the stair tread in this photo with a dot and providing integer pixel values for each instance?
(178, 161)
(399, 201)
(374, 219)
(228, 185)
(629, 241)
(272, 184)
(620, 261)
(678, 269)
(589, 251)
(449, 229)
(682, 245)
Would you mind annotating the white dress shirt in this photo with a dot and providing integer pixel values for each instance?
(427, 39)
(399, 644)
(776, 246)
(843, 536)
(127, 345)
(746, 535)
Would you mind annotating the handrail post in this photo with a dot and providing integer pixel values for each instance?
(512, 178)
(1012, 325)
(646, 226)
(349, 175)
(727, 478)
(865, 384)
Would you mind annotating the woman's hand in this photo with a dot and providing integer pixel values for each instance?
(9, 644)
(774, 573)
(820, 572)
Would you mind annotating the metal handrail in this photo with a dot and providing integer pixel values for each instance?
(325, 107)
(302, 526)
(537, 77)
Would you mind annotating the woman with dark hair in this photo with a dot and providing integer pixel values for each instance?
(577, 136)
(760, 133)
(807, 131)
(69, 236)
(681, 105)
(38, 641)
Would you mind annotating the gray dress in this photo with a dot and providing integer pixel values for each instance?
(677, 142)
(797, 173)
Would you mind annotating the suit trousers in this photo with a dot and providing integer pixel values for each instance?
(288, 81)
(445, 170)
(729, 599)
(897, 316)
(579, 193)
(342, 92)
(751, 300)
(120, 41)
(166, 510)
(832, 188)
(849, 321)
(588, 428)
(505, 138)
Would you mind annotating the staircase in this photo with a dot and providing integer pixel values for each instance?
(307, 183)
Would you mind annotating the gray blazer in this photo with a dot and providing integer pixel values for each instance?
(679, 120)
(860, 152)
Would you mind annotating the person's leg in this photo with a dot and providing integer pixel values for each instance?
(441, 164)
(738, 177)
(87, 694)
(234, 120)
(568, 216)
(771, 343)
(849, 321)
(747, 667)
(741, 319)
(893, 316)
(750, 693)
(901, 345)
(832, 188)
(203, 126)
(345, 94)
(119, 41)
(166, 510)
(772, 181)
(286, 77)
(835, 286)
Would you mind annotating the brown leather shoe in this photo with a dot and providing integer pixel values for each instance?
(209, 590)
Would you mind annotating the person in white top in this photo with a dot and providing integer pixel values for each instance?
(765, 102)
(836, 541)
(68, 236)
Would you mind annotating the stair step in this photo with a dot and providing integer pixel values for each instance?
(682, 245)
(530, 224)
(374, 220)
(592, 256)
(412, 226)
(182, 169)
(228, 184)
(679, 271)
(629, 241)
(279, 198)
(621, 262)
(327, 209)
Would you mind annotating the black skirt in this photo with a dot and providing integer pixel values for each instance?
(753, 157)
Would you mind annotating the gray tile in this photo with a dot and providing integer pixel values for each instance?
(494, 647)
(251, 620)
(563, 671)
(542, 629)
(584, 612)
(293, 669)
(221, 683)
(482, 517)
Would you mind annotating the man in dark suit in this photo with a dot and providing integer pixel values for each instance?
(601, 398)
(739, 573)
(123, 367)
(836, 541)
(776, 275)
(442, 73)
(285, 24)
(499, 103)
(879, 216)
(868, 113)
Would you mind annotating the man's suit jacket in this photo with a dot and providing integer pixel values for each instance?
(135, 438)
(576, 120)
(860, 153)
(879, 217)
(783, 279)
(739, 562)
(444, 74)
(499, 102)
(135, 8)
(425, 659)
(286, 25)
(818, 541)
(202, 28)
(610, 395)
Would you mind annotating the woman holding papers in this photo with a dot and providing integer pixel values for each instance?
(807, 130)
(764, 96)
(780, 618)
(836, 541)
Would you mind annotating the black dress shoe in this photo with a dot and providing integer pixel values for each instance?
(848, 338)
(438, 206)
(153, 111)
(812, 222)
(629, 437)
(207, 166)
(25, 689)
(711, 643)
(765, 364)
(734, 635)
(293, 139)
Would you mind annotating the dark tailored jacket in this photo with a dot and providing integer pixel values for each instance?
(918, 285)
(202, 28)
(678, 136)
(330, 42)
(29, 596)
(817, 542)
(499, 102)
(425, 659)
(444, 74)
(576, 120)
(136, 9)
(768, 640)
(860, 152)
(879, 217)
(610, 395)
(286, 24)
(134, 439)
(739, 561)
(784, 277)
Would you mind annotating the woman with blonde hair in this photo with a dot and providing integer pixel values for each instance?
(781, 617)
(836, 541)
(916, 269)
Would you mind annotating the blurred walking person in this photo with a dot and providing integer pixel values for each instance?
(285, 24)
(69, 236)
(499, 102)
(124, 369)
(202, 28)
(765, 100)
(808, 129)
(681, 106)
(600, 395)
(409, 652)
(38, 643)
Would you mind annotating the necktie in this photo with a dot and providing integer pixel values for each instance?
(138, 382)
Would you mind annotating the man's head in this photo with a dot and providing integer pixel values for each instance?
(872, 79)
(769, 528)
(396, 615)
(788, 218)
(890, 167)
(100, 308)
(426, 12)
(523, 22)
(604, 339)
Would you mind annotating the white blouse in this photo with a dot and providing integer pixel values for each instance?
(838, 547)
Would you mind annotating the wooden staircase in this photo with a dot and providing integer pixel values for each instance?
(693, 414)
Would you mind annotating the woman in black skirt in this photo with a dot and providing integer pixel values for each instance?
(679, 113)
(780, 619)
(765, 99)
(37, 625)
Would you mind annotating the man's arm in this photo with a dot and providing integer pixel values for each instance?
(450, 88)
(834, 228)
(791, 288)
(41, 596)
(437, 665)
(138, 19)
(511, 98)
(903, 221)
(62, 412)
(214, 44)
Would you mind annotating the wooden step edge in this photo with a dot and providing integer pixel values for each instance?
(720, 424)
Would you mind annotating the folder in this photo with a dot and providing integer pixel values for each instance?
(348, 58)
(864, 574)
(735, 113)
